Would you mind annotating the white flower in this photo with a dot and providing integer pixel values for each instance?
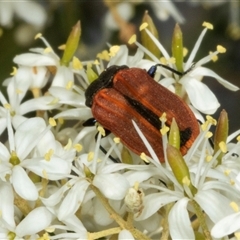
(17, 87)
(36, 14)
(43, 58)
(30, 23)
(226, 226)
(62, 89)
(199, 94)
(212, 193)
(120, 56)
(165, 9)
(162, 10)
(71, 228)
(7, 204)
(37, 220)
(21, 156)
(125, 234)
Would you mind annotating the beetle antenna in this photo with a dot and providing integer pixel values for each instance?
(190, 69)
(170, 69)
(153, 69)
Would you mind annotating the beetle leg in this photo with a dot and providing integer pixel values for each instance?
(90, 122)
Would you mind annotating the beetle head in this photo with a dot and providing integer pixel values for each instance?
(104, 81)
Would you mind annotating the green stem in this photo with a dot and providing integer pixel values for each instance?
(201, 220)
(178, 89)
(114, 215)
(104, 233)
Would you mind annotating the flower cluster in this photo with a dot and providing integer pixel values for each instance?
(57, 183)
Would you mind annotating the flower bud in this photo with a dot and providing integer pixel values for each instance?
(91, 75)
(174, 135)
(179, 167)
(221, 133)
(126, 156)
(177, 47)
(147, 42)
(71, 44)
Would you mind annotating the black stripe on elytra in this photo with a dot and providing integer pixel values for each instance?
(150, 116)
(185, 135)
(153, 119)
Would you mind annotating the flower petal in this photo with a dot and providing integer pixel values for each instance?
(55, 169)
(211, 202)
(67, 97)
(73, 200)
(125, 234)
(76, 113)
(4, 153)
(37, 220)
(179, 222)
(27, 134)
(113, 186)
(39, 16)
(23, 185)
(202, 71)
(41, 103)
(33, 59)
(62, 77)
(120, 58)
(56, 196)
(75, 224)
(19, 83)
(153, 202)
(226, 226)
(6, 204)
(100, 214)
(200, 95)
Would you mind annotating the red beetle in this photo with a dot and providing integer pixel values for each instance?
(122, 94)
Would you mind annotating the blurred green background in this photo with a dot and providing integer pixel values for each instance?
(61, 16)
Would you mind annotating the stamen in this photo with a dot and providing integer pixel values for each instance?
(234, 206)
(44, 172)
(114, 50)
(133, 39)
(164, 130)
(221, 49)
(116, 140)
(62, 47)
(14, 72)
(48, 155)
(223, 147)
(101, 130)
(78, 147)
(143, 26)
(90, 156)
(209, 158)
(208, 134)
(207, 25)
(68, 146)
(69, 85)
(54, 101)
(143, 156)
(48, 50)
(52, 122)
(38, 35)
(77, 65)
